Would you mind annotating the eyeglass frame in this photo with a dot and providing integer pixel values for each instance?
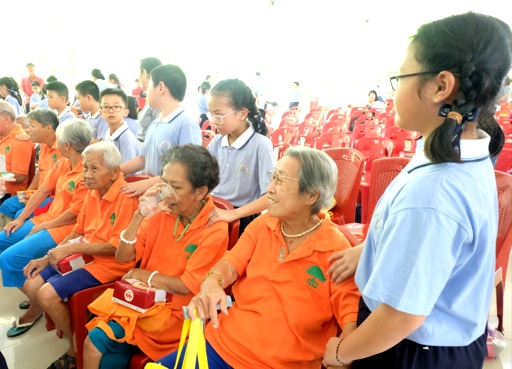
(397, 78)
(278, 179)
(111, 108)
(221, 117)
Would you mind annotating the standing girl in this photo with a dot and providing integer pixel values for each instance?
(10, 92)
(245, 155)
(427, 267)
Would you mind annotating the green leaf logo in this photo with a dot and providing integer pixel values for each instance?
(54, 158)
(71, 186)
(190, 249)
(316, 273)
(7, 149)
(112, 219)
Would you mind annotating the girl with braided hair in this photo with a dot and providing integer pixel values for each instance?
(427, 266)
(246, 157)
(10, 92)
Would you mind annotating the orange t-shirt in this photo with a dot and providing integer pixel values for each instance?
(190, 259)
(69, 191)
(48, 156)
(284, 312)
(17, 158)
(101, 220)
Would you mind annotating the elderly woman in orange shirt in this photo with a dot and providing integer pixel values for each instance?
(286, 307)
(174, 249)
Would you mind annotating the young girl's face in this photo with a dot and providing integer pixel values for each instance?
(4, 92)
(224, 116)
(414, 112)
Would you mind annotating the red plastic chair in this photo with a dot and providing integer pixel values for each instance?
(504, 162)
(405, 141)
(289, 121)
(374, 148)
(308, 132)
(284, 137)
(350, 169)
(503, 240)
(331, 140)
(507, 129)
(364, 130)
(139, 360)
(206, 125)
(207, 137)
(335, 126)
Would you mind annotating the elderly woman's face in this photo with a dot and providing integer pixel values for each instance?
(185, 201)
(96, 175)
(284, 199)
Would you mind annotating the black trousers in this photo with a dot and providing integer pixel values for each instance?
(411, 355)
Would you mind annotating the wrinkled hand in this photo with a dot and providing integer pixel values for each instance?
(344, 263)
(135, 273)
(35, 229)
(205, 303)
(13, 226)
(221, 215)
(58, 253)
(34, 267)
(135, 188)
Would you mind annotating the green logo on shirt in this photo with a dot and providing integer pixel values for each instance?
(315, 272)
(54, 157)
(190, 249)
(7, 149)
(71, 186)
(112, 219)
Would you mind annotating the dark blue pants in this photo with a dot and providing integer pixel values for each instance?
(214, 360)
(411, 355)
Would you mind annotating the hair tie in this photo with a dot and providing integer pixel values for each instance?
(456, 116)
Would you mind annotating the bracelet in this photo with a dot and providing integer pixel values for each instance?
(151, 277)
(337, 356)
(219, 276)
(121, 236)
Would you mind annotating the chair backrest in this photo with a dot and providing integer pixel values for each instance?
(504, 237)
(384, 170)
(504, 162)
(364, 130)
(32, 167)
(507, 129)
(289, 121)
(331, 140)
(405, 141)
(206, 125)
(234, 226)
(335, 126)
(350, 169)
(207, 137)
(308, 132)
(282, 138)
(374, 148)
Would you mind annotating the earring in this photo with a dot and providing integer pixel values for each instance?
(435, 101)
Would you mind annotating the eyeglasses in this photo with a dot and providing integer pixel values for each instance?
(116, 108)
(275, 176)
(218, 120)
(395, 79)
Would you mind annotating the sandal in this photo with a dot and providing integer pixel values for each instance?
(20, 328)
(64, 362)
(24, 304)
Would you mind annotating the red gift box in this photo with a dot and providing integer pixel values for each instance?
(138, 295)
(73, 262)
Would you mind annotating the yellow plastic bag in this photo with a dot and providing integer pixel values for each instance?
(196, 347)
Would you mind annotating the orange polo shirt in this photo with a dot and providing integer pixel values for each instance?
(48, 156)
(284, 312)
(17, 158)
(101, 220)
(190, 259)
(69, 191)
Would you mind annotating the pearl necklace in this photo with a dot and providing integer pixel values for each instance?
(186, 227)
(302, 233)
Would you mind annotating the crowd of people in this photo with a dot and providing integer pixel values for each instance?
(303, 297)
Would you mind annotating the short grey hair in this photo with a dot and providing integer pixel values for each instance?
(318, 174)
(111, 155)
(7, 108)
(76, 132)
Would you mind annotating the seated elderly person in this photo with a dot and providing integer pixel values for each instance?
(105, 213)
(175, 249)
(25, 239)
(286, 307)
